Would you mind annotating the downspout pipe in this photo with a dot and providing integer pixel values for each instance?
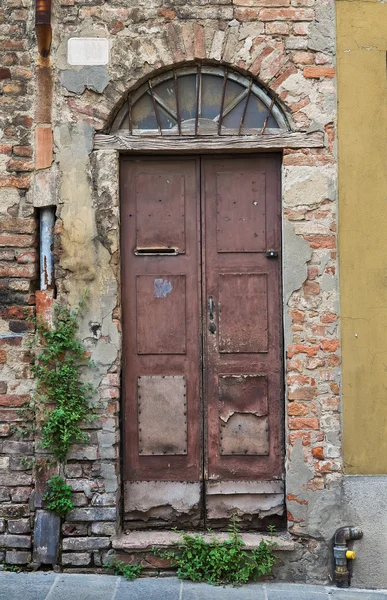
(47, 223)
(342, 555)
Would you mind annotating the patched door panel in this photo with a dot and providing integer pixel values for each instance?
(162, 414)
(161, 314)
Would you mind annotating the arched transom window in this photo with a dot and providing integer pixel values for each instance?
(200, 100)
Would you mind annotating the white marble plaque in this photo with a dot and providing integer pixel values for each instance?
(88, 51)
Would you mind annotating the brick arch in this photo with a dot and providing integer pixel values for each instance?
(266, 58)
(149, 75)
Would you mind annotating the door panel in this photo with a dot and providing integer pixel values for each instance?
(243, 384)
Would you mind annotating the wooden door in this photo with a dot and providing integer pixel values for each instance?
(162, 348)
(201, 295)
(243, 344)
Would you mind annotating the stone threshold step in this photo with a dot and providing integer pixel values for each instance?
(140, 541)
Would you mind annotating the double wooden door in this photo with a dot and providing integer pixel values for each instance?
(202, 348)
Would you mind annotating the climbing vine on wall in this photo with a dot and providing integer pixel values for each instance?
(61, 399)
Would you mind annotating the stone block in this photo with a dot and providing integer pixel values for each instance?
(15, 557)
(76, 559)
(85, 543)
(19, 526)
(92, 514)
(103, 528)
(15, 541)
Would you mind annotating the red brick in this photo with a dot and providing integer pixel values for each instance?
(302, 393)
(295, 409)
(199, 41)
(286, 14)
(14, 88)
(18, 225)
(301, 28)
(3, 356)
(10, 341)
(330, 345)
(335, 389)
(22, 151)
(13, 400)
(303, 58)
(277, 28)
(302, 379)
(5, 149)
(321, 241)
(262, 3)
(167, 13)
(20, 165)
(305, 438)
(318, 72)
(302, 349)
(334, 360)
(311, 288)
(27, 258)
(318, 453)
(18, 271)
(15, 182)
(303, 423)
(16, 241)
(5, 73)
(297, 316)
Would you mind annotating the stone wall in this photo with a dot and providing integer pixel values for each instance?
(18, 272)
(289, 46)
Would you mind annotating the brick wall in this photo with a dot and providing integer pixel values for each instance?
(289, 46)
(18, 273)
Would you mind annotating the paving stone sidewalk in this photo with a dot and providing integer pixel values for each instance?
(52, 586)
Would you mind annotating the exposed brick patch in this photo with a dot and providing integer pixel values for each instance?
(317, 72)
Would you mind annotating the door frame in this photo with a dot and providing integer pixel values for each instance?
(225, 152)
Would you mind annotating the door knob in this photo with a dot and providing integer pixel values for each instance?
(271, 254)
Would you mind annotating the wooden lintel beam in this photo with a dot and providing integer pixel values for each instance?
(269, 141)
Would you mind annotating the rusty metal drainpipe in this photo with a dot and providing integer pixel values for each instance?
(343, 556)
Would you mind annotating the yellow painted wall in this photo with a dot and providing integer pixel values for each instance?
(362, 147)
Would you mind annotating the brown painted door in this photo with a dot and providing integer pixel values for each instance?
(243, 346)
(201, 311)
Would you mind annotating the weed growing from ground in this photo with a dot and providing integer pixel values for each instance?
(130, 572)
(218, 562)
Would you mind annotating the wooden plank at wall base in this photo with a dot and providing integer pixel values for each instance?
(125, 141)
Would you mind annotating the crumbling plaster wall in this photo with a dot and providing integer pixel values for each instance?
(289, 46)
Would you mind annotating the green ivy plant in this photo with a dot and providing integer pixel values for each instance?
(61, 399)
(119, 567)
(218, 562)
(58, 497)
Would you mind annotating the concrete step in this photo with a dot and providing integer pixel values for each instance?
(135, 547)
(140, 541)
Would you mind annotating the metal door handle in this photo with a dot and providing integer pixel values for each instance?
(211, 307)
(212, 326)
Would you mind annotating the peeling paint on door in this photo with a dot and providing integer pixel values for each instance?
(163, 287)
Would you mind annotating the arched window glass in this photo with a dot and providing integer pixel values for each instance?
(200, 100)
